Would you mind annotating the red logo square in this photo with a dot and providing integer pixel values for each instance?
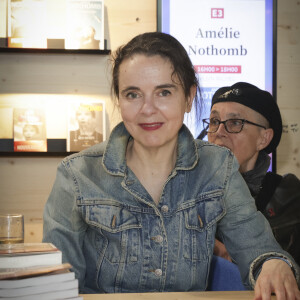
(217, 13)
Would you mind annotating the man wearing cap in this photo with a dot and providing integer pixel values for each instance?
(247, 120)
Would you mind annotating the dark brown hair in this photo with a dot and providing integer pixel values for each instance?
(166, 46)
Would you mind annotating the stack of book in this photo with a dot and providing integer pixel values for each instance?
(35, 271)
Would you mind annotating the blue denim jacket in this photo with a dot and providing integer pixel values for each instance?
(118, 240)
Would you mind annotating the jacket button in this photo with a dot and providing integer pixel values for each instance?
(158, 272)
(159, 239)
(164, 208)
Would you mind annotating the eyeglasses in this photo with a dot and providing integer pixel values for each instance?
(231, 125)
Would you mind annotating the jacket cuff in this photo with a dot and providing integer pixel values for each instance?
(256, 266)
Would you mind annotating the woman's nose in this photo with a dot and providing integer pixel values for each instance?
(221, 130)
(149, 105)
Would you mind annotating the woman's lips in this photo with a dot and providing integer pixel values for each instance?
(151, 126)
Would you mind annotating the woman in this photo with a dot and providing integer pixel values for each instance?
(139, 212)
(251, 141)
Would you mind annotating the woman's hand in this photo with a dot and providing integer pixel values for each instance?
(220, 250)
(276, 277)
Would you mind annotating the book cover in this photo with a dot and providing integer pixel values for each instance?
(6, 122)
(39, 289)
(29, 130)
(30, 259)
(27, 248)
(27, 23)
(54, 295)
(37, 280)
(3, 23)
(18, 273)
(84, 24)
(86, 125)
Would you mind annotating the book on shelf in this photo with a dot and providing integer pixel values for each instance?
(27, 21)
(29, 130)
(84, 24)
(15, 256)
(86, 124)
(3, 23)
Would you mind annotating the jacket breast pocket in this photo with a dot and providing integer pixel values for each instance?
(200, 219)
(117, 236)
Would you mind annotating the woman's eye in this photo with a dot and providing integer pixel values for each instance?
(235, 123)
(131, 95)
(214, 121)
(165, 93)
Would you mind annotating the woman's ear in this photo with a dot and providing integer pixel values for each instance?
(190, 98)
(117, 103)
(266, 138)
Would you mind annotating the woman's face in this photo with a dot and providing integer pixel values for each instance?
(152, 104)
(244, 145)
(29, 132)
(84, 118)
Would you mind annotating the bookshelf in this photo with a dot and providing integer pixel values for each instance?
(54, 51)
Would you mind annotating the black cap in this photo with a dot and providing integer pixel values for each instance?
(259, 100)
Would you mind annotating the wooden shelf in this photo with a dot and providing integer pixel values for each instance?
(53, 51)
(35, 154)
(55, 147)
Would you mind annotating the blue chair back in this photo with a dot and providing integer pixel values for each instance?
(224, 276)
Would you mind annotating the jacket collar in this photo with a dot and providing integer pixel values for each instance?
(114, 160)
(255, 176)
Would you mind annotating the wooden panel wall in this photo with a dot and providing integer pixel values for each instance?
(25, 183)
(288, 85)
